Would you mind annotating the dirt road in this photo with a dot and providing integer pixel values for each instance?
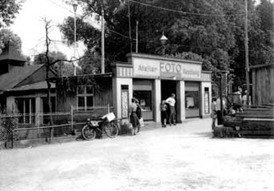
(182, 157)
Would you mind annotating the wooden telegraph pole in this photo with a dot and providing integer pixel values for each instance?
(246, 54)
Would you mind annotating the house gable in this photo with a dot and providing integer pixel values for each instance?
(37, 76)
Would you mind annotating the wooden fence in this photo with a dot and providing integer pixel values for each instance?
(65, 123)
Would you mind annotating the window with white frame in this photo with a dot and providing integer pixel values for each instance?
(85, 97)
(26, 107)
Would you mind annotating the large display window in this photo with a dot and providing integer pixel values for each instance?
(192, 99)
(144, 98)
(142, 90)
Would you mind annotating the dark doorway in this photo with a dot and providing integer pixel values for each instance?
(167, 88)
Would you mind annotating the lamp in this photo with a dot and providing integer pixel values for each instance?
(74, 5)
(163, 40)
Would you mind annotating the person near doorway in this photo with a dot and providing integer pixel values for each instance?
(171, 101)
(213, 114)
(133, 116)
(139, 115)
(164, 108)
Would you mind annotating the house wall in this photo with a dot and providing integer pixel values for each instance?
(263, 85)
(38, 104)
(102, 95)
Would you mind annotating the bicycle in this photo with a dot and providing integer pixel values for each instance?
(107, 124)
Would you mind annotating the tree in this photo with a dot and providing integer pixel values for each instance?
(7, 37)
(264, 53)
(214, 30)
(265, 11)
(53, 56)
(8, 10)
(90, 63)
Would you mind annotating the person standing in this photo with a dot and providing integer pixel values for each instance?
(171, 101)
(244, 99)
(139, 115)
(213, 114)
(163, 113)
(133, 116)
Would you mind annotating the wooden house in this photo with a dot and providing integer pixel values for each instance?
(90, 94)
(263, 84)
(23, 88)
(257, 120)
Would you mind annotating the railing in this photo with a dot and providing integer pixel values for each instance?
(64, 123)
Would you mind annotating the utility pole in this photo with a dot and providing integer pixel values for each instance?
(137, 23)
(75, 46)
(103, 42)
(129, 27)
(246, 54)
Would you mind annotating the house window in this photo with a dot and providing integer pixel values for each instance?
(85, 97)
(26, 107)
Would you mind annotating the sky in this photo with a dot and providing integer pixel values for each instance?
(30, 26)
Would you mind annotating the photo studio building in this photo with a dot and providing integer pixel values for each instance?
(152, 79)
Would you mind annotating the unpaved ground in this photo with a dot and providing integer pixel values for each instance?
(182, 157)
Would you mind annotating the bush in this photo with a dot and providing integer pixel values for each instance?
(7, 125)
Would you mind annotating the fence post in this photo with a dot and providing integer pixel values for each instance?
(38, 123)
(71, 118)
(108, 108)
(12, 132)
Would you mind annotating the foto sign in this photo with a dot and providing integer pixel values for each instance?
(151, 68)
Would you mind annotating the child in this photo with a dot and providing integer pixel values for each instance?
(163, 113)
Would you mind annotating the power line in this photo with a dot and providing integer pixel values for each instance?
(61, 6)
(181, 12)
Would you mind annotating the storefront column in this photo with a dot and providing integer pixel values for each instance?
(205, 99)
(157, 98)
(122, 94)
(180, 90)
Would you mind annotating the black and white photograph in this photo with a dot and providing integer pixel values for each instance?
(130, 95)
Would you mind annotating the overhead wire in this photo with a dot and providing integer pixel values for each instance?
(181, 12)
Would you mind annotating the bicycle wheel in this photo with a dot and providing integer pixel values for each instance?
(111, 130)
(88, 133)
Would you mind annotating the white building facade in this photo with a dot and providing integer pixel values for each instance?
(152, 79)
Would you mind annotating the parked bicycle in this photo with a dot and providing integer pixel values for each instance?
(107, 124)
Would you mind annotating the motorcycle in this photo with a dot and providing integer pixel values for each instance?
(106, 124)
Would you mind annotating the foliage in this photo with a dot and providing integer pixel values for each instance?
(8, 37)
(60, 67)
(8, 9)
(214, 30)
(7, 125)
(264, 50)
(90, 63)
(41, 58)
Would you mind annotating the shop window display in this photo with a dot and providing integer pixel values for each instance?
(145, 99)
(192, 99)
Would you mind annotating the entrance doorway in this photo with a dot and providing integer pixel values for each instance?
(167, 88)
